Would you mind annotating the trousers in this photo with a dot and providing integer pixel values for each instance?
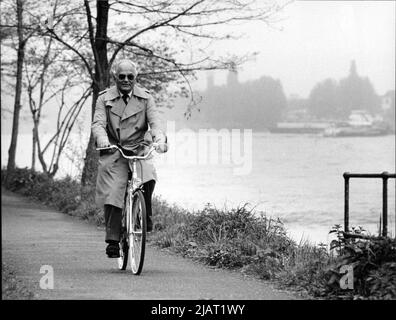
(113, 215)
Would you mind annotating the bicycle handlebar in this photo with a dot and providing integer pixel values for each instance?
(152, 149)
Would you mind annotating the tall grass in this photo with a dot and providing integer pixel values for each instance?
(240, 239)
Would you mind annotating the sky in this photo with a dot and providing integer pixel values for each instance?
(316, 40)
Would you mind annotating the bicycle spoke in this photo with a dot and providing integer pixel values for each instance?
(137, 233)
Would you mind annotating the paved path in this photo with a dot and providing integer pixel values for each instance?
(33, 236)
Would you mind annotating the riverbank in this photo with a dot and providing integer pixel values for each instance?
(240, 240)
(297, 178)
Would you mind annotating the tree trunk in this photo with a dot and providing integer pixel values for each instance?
(33, 151)
(18, 91)
(88, 177)
(101, 81)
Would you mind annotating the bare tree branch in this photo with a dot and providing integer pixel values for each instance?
(154, 26)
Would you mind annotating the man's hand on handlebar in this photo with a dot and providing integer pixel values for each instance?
(160, 143)
(102, 142)
(147, 154)
(160, 147)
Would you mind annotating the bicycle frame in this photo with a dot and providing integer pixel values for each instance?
(135, 182)
(128, 244)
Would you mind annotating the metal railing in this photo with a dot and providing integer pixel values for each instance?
(384, 176)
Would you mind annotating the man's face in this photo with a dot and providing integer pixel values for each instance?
(125, 78)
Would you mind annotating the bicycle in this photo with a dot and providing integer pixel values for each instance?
(134, 216)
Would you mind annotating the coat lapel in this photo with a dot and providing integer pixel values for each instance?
(135, 104)
(113, 99)
(140, 92)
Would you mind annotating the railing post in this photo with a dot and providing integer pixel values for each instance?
(385, 176)
(384, 204)
(346, 202)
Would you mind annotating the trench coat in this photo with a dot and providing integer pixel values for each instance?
(125, 125)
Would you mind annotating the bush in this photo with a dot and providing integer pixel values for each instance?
(222, 238)
(166, 215)
(241, 239)
(374, 266)
(63, 194)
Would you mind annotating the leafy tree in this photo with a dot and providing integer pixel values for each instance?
(156, 32)
(255, 104)
(323, 99)
(329, 99)
(267, 100)
(357, 93)
(49, 75)
(22, 36)
(166, 36)
(52, 78)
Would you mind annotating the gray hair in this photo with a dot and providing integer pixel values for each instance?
(116, 66)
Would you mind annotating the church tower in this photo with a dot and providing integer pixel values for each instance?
(352, 70)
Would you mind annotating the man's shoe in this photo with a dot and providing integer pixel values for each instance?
(113, 250)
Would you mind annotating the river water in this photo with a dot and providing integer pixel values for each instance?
(295, 177)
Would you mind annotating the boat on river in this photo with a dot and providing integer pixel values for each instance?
(359, 124)
(307, 127)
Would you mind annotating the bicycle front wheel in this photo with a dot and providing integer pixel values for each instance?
(124, 241)
(137, 232)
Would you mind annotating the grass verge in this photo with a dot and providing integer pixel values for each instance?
(242, 239)
(12, 287)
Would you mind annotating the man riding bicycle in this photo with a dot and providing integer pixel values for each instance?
(125, 115)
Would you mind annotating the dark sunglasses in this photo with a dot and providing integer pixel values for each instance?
(122, 76)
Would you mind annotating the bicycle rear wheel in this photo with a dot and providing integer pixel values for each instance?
(137, 232)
